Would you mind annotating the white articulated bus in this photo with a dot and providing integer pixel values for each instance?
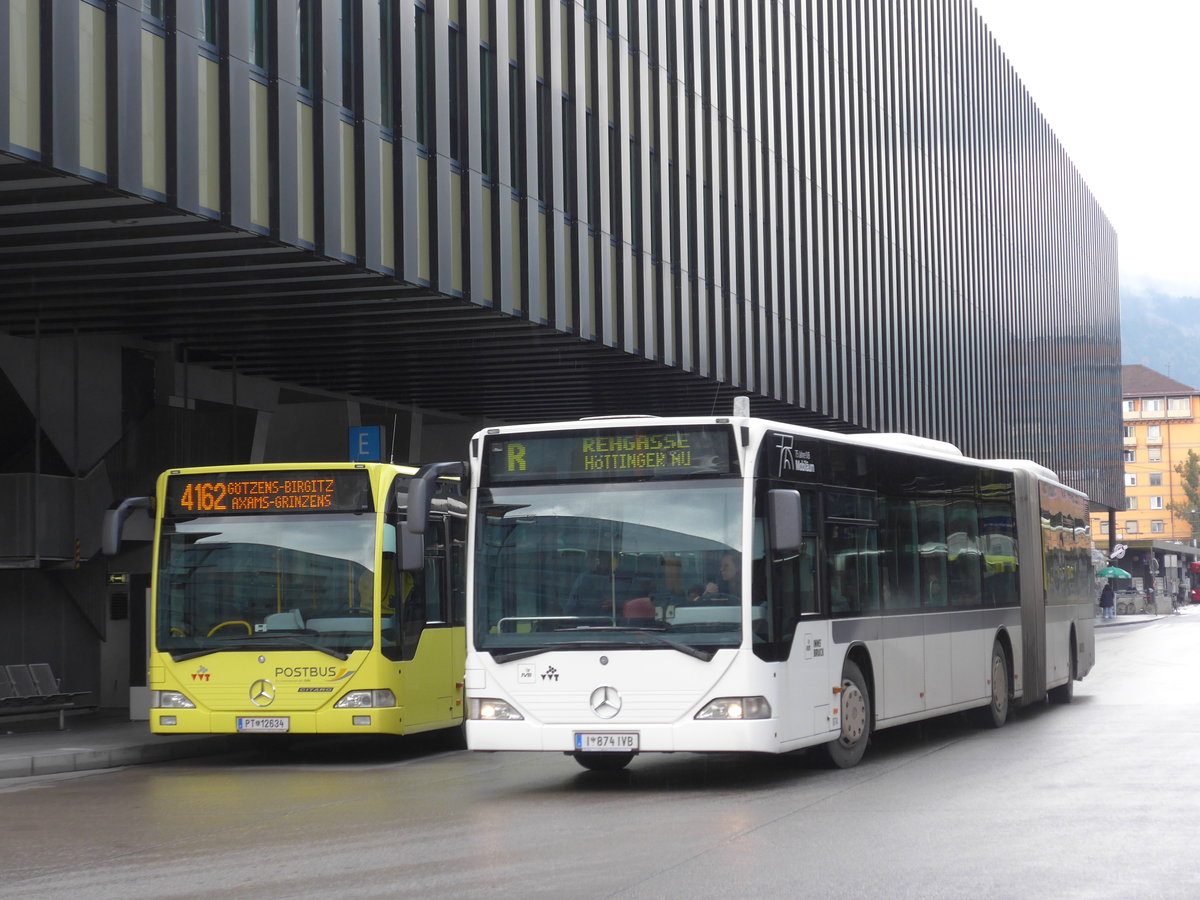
(656, 585)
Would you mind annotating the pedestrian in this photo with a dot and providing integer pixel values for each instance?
(1106, 601)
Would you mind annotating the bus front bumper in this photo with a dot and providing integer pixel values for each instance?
(335, 721)
(745, 736)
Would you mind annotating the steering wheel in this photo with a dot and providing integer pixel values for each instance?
(218, 627)
(716, 600)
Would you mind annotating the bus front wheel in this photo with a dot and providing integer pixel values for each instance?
(855, 702)
(603, 762)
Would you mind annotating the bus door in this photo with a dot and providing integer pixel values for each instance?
(901, 689)
(423, 637)
(791, 628)
(809, 709)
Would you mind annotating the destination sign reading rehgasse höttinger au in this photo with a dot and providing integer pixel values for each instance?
(654, 452)
(291, 490)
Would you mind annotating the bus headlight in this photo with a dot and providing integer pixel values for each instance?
(736, 708)
(491, 709)
(170, 700)
(377, 699)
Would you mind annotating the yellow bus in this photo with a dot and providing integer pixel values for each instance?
(278, 604)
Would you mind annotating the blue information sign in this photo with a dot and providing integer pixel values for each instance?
(366, 443)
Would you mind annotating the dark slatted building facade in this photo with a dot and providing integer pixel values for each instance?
(231, 229)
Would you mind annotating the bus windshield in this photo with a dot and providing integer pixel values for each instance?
(627, 564)
(266, 582)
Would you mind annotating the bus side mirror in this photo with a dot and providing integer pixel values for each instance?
(411, 537)
(410, 550)
(114, 522)
(785, 519)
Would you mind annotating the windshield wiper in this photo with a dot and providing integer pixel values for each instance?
(192, 654)
(261, 642)
(510, 655)
(660, 639)
(653, 631)
(336, 654)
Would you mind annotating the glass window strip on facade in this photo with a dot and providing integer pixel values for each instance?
(864, 214)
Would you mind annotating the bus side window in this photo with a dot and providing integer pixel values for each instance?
(899, 554)
(965, 561)
(421, 599)
(458, 570)
(437, 606)
(793, 590)
(931, 524)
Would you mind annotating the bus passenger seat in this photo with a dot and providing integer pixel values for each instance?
(639, 608)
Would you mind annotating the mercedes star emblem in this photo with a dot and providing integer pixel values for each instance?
(262, 692)
(606, 702)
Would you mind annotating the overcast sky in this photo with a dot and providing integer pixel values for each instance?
(1117, 81)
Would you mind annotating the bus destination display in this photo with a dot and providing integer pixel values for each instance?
(231, 493)
(599, 455)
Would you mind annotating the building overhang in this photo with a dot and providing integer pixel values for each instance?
(81, 258)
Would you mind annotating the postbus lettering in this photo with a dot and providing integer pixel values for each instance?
(305, 671)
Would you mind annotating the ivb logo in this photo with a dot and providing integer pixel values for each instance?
(791, 459)
(787, 461)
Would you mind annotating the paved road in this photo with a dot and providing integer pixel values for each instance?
(1098, 799)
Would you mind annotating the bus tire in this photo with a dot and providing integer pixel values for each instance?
(603, 762)
(848, 748)
(1065, 693)
(995, 713)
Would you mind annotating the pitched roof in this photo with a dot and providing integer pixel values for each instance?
(1138, 381)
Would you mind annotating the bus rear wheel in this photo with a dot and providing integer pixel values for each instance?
(995, 713)
(1065, 693)
(849, 746)
(603, 762)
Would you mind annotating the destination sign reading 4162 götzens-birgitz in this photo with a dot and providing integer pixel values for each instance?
(273, 491)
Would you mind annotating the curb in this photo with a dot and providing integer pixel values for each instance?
(1116, 622)
(82, 759)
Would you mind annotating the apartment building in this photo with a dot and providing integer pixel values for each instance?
(1160, 424)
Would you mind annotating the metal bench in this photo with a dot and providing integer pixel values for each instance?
(32, 689)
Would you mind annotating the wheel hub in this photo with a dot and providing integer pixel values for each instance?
(999, 688)
(854, 714)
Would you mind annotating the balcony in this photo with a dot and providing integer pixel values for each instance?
(1158, 415)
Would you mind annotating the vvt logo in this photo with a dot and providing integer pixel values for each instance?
(201, 674)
